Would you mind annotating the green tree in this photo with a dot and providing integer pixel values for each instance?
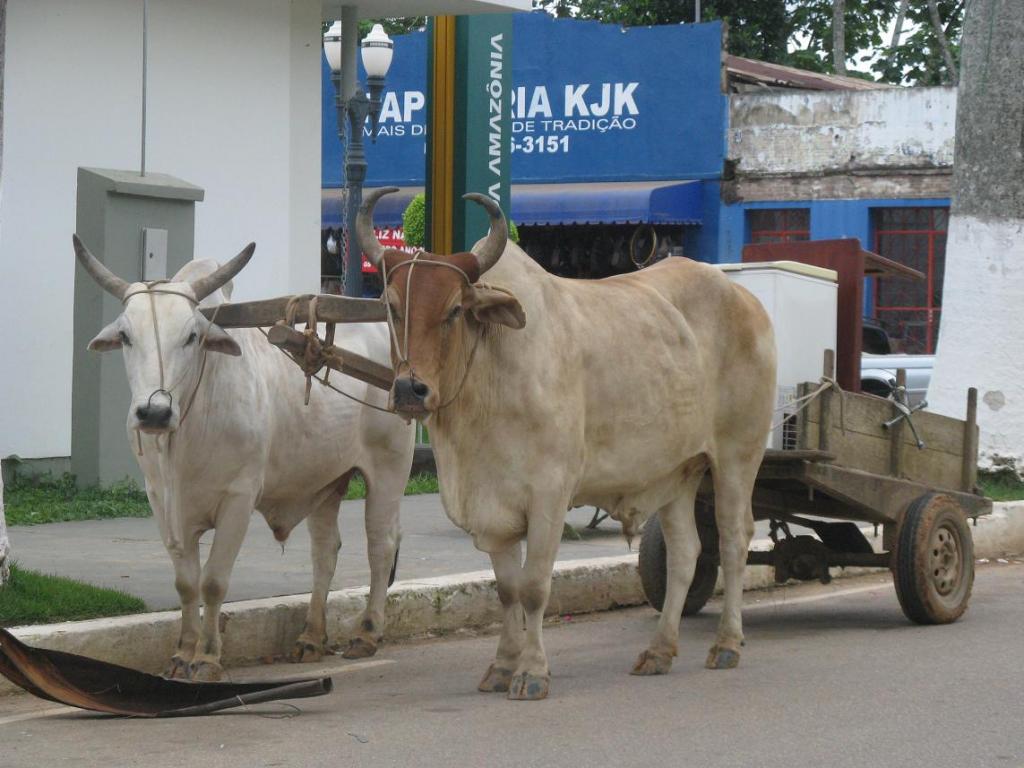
(918, 58)
(757, 30)
(400, 25)
(799, 33)
(864, 23)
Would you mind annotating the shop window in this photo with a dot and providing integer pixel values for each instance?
(909, 310)
(779, 225)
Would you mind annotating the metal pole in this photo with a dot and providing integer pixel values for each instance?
(696, 11)
(145, 62)
(349, 50)
(355, 173)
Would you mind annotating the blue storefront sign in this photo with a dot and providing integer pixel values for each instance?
(590, 103)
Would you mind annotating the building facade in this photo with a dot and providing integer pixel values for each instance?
(603, 139)
(875, 165)
(621, 132)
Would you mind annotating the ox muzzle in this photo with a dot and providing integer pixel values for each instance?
(409, 397)
(155, 414)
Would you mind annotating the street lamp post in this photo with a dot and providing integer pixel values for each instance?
(377, 50)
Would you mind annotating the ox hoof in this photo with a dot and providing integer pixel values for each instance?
(303, 652)
(496, 680)
(651, 663)
(205, 672)
(177, 669)
(526, 687)
(720, 657)
(360, 648)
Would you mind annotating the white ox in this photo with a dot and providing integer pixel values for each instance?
(545, 393)
(224, 434)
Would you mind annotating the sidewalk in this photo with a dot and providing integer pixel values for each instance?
(127, 554)
(592, 575)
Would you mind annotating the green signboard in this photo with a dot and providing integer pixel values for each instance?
(483, 89)
(469, 146)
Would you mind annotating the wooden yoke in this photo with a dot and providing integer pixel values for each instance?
(329, 309)
(335, 358)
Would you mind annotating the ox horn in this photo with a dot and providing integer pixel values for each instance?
(107, 280)
(204, 286)
(365, 236)
(490, 251)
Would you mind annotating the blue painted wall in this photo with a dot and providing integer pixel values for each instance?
(830, 219)
(591, 102)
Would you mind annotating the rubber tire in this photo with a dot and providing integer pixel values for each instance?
(920, 601)
(654, 572)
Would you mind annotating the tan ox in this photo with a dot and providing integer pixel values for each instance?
(545, 393)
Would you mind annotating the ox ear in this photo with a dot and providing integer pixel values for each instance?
(216, 339)
(107, 339)
(489, 305)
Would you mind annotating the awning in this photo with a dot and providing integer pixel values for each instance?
(387, 213)
(628, 202)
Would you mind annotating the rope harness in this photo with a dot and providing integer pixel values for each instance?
(151, 289)
(316, 353)
(403, 355)
(827, 383)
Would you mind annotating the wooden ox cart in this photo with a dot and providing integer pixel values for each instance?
(856, 458)
(850, 457)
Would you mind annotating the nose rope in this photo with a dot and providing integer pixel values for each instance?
(151, 289)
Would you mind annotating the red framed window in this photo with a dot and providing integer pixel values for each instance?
(779, 225)
(910, 309)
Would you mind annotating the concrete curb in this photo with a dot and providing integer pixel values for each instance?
(254, 629)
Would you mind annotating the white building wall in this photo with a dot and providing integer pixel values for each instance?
(808, 132)
(234, 107)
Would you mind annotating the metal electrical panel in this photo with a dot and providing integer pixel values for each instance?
(141, 228)
(154, 254)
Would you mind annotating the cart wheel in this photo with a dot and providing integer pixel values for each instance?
(934, 561)
(654, 572)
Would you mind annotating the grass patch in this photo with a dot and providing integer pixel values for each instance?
(1001, 486)
(36, 598)
(425, 482)
(46, 499)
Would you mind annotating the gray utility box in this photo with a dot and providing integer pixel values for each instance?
(141, 228)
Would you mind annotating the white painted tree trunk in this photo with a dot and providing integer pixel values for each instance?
(5, 545)
(981, 341)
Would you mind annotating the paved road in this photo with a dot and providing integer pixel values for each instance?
(831, 676)
(127, 554)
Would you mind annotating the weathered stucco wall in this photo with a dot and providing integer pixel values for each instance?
(883, 143)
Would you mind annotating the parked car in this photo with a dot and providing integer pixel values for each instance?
(878, 366)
